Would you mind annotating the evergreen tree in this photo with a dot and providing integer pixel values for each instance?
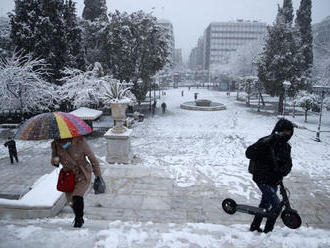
(38, 27)
(76, 57)
(287, 11)
(48, 29)
(95, 19)
(304, 38)
(277, 62)
(6, 45)
(95, 9)
(136, 48)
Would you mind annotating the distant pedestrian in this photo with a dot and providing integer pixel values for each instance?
(189, 88)
(195, 96)
(182, 92)
(163, 107)
(11, 144)
(154, 107)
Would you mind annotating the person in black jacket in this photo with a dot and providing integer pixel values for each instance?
(272, 161)
(11, 144)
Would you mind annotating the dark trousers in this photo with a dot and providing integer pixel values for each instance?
(269, 201)
(13, 155)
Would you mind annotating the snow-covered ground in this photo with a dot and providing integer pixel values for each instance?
(196, 148)
(54, 233)
(209, 147)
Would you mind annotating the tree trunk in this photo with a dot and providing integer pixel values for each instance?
(280, 104)
(262, 100)
(306, 115)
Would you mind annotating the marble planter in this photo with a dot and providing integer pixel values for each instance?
(118, 147)
(118, 113)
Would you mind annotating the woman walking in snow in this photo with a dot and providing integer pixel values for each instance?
(72, 153)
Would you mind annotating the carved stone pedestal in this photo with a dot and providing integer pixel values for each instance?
(118, 147)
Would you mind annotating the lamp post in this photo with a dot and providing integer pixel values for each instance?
(286, 85)
(258, 85)
(322, 90)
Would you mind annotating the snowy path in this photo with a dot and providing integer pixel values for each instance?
(201, 150)
(209, 147)
(54, 233)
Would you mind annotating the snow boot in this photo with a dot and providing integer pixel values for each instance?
(78, 209)
(255, 225)
(269, 225)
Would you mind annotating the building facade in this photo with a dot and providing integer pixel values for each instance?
(321, 31)
(321, 50)
(196, 55)
(168, 26)
(221, 39)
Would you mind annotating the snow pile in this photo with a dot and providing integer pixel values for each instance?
(130, 234)
(43, 193)
(87, 113)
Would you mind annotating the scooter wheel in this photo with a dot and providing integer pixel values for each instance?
(229, 206)
(291, 219)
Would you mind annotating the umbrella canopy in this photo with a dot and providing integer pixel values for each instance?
(57, 125)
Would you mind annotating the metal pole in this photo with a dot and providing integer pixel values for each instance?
(320, 118)
(259, 100)
(284, 102)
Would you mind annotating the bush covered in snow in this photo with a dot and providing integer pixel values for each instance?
(90, 88)
(307, 101)
(22, 85)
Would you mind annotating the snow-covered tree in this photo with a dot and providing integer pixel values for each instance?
(81, 89)
(47, 29)
(22, 85)
(95, 19)
(87, 89)
(76, 58)
(95, 9)
(307, 101)
(136, 48)
(93, 40)
(6, 45)
(304, 60)
(277, 62)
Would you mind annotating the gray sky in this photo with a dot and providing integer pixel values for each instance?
(191, 17)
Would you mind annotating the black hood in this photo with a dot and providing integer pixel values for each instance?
(284, 124)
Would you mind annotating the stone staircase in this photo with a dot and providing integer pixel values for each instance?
(149, 194)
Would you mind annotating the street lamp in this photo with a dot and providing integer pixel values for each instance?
(258, 85)
(322, 90)
(286, 85)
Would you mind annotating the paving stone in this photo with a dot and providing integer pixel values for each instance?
(156, 203)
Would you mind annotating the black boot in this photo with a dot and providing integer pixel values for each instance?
(269, 225)
(255, 225)
(78, 209)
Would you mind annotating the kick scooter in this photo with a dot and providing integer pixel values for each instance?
(290, 217)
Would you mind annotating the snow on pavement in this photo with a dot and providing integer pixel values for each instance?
(196, 148)
(53, 233)
(209, 147)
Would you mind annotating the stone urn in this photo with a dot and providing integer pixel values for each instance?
(118, 113)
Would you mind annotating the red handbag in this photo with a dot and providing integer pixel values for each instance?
(65, 181)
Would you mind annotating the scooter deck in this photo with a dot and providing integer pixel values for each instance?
(251, 210)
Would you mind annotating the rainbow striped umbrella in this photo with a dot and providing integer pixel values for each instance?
(57, 125)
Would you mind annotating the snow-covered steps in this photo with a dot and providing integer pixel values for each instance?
(147, 194)
(43, 200)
